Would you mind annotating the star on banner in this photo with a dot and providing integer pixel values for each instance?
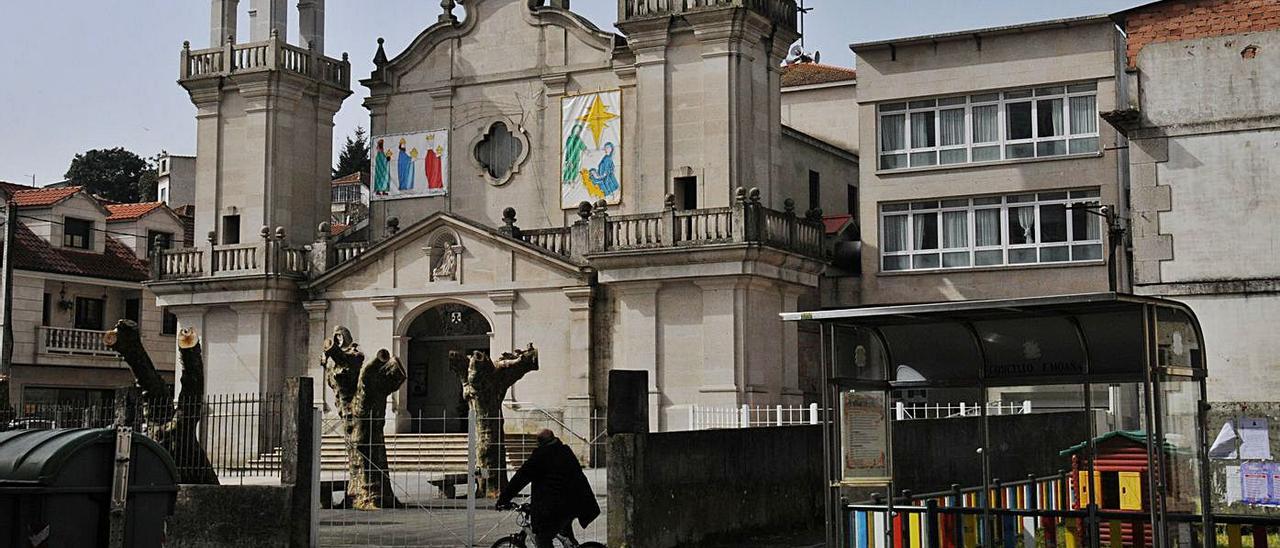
(597, 118)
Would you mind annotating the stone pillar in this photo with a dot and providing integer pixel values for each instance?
(638, 349)
(266, 16)
(384, 338)
(504, 326)
(311, 25)
(648, 39)
(721, 75)
(222, 22)
(723, 304)
(578, 375)
(317, 329)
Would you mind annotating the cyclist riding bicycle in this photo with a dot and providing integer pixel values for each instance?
(561, 492)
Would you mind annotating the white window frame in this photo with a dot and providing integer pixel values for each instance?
(1074, 197)
(1002, 101)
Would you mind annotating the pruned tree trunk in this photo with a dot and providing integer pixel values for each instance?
(361, 389)
(484, 383)
(174, 427)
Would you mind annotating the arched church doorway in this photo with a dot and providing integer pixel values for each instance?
(435, 401)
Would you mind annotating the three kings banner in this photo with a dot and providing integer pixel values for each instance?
(591, 157)
(409, 165)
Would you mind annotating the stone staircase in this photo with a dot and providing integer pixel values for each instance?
(409, 453)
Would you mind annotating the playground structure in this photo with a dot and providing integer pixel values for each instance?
(1110, 451)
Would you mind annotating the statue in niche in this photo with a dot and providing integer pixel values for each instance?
(445, 252)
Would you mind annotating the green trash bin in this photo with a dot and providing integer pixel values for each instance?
(55, 488)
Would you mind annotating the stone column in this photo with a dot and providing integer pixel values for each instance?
(222, 21)
(648, 39)
(504, 326)
(385, 313)
(723, 305)
(266, 16)
(638, 349)
(311, 25)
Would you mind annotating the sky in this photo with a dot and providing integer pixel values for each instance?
(103, 74)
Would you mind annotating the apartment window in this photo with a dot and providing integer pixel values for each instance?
(851, 200)
(815, 190)
(157, 239)
(686, 192)
(164, 194)
(987, 127)
(230, 229)
(89, 313)
(170, 324)
(77, 233)
(133, 310)
(1011, 230)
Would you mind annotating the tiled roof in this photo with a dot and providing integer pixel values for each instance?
(808, 74)
(7, 188)
(129, 212)
(118, 262)
(835, 223)
(43, 197)
(337, 228)
(361, 177)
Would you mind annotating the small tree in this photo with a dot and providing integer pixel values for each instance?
(114, 173)
(354, 157)
(361, 389)
(484, 383)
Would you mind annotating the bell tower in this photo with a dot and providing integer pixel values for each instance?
(264, 134)
(264, 122)
(708, 82)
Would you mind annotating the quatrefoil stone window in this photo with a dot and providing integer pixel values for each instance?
(499, 151)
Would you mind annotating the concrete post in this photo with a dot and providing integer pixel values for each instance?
(297, 459)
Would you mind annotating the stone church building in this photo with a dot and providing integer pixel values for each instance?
(711, 225)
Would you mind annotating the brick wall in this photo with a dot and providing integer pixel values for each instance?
(1175, 20)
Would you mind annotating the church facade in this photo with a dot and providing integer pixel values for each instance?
(619, 202)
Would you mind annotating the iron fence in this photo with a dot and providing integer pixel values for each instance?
(443, 491)
(240, 433)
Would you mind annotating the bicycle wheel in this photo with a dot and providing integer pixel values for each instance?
(513, 541)
(592, 544)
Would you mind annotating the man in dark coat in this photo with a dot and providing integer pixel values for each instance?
(561, 492)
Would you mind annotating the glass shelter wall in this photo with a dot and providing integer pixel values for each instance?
(1069, 421)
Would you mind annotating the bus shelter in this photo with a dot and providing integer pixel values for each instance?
(1049, 421)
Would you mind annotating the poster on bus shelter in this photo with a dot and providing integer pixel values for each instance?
(863, 437)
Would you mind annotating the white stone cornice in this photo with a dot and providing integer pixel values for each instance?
(503, 299)
(316, 309)
(385, 307)
(579, 297)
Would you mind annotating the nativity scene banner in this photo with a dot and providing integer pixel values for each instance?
(410, 165)
(591, 159)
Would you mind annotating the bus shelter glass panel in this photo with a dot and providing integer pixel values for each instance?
(1179, 392)
(858, 354)
(1031, 347)
(933, 352)
(1115, 343)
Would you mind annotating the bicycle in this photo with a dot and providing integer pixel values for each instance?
(519, 540)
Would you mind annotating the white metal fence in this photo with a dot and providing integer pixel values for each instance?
(747, 416)
(919, 411)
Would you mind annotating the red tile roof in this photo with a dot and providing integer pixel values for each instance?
(337, 228)
(130, 212)
(118, 262)
(808, 74)
(43, 197)
(7, 188)
(835, 223)
(361, 177)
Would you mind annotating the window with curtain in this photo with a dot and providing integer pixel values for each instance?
(1045, 227)
(1028, 123)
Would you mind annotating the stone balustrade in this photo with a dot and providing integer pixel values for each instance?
(271, 54)
(65, 340)
(746, 221)
(346, 252)
(271, 256)
(784, 12)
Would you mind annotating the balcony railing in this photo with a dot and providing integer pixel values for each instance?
(781, 11)
(64, 340)
(746, 221)
(271, 54)
(270, 256)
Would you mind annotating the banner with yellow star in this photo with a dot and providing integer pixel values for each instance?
(591, 148)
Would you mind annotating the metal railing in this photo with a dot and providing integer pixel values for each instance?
(749, 416)
(271, 54)
(919, 411)
(65, 340)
